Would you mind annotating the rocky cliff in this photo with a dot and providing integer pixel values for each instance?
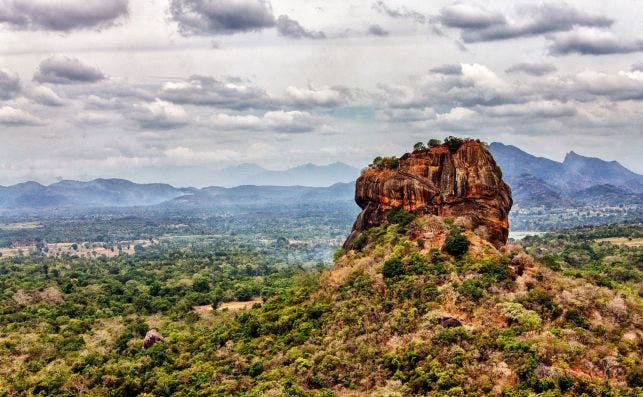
(462, 182)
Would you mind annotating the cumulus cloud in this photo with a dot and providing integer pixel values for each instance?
(318, 97)
(18, 117)
(292, 121)
(405, 115)
(532, 69)
(455, 115)
(9, 85)
(637, 67)
(588, 84)
(63, 70)
(475, 85)
(46, 96)
(99, 103)
(160, 115)
(231, 93)
(63, 16)
(290, 28)
(211, 17)
(277, 121)
(479, 24)
(592, 42)
(377, 30)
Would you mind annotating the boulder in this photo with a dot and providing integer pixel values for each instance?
(449, 322)
(152, 337)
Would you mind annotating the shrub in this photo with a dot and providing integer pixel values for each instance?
(456, 244)
(576, 318)
(541, 301)
(338, 254)
(400, 216)
(635, 377)
(434, 142)
(472, 288)
(417, 263)
(452, 335)
(453, 143)
(516, 312)
(360, 242)
(494, 272)
(391, 162)
(392, 268)
(419, 146)
(358, 282)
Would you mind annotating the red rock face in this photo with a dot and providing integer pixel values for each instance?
(466, 183)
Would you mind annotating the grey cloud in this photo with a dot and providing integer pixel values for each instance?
(66, 71)
(403, 12)
(637, 67)
(211, 17)
(450, 69)
(589, 42)
(467, 17)
(95, 102)
(377, 30)
(207, 91)
(290, 28)
(9, 85)
(478, 24)
(406, 115)
(532, 69)
(63, 16)
(479, 99)
(474, 85)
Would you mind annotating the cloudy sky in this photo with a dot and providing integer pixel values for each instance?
(164, 90)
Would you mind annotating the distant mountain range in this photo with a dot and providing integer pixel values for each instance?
(96, 193)
(303, 175)
(535, 182)
(577, 181)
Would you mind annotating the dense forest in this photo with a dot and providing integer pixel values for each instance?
(557, 314)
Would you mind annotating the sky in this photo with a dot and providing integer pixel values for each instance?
(163, 90)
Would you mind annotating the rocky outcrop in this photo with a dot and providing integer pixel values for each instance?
(463, 183)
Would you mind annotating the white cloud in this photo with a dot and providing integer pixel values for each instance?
(161, 115)
(277, 121)
(18, 117)
(46, 96)
(323, 96)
